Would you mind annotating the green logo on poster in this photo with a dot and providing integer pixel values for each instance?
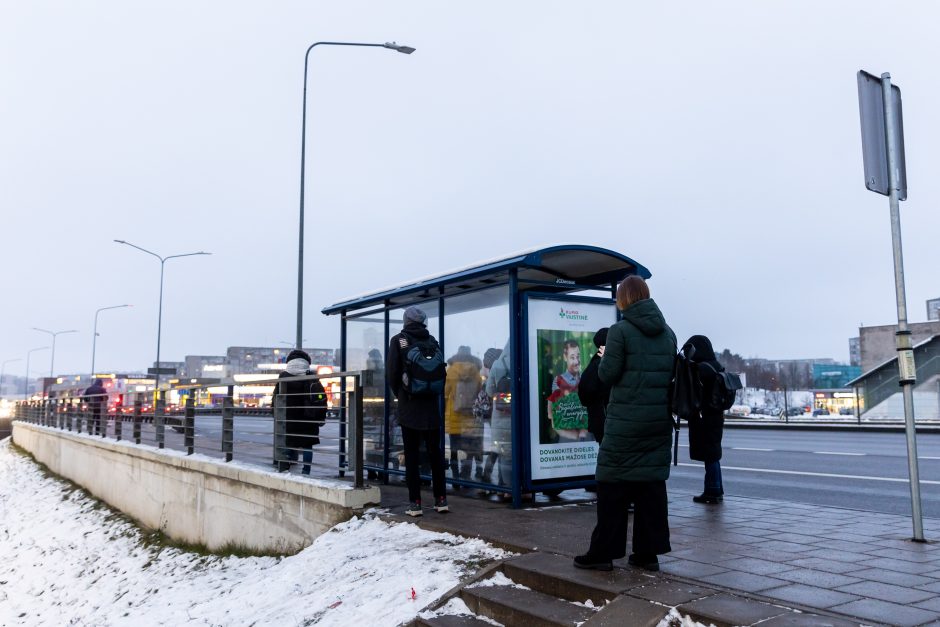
(571, 314)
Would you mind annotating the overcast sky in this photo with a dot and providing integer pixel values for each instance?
(716, 143)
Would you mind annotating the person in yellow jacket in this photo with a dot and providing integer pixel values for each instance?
(464, 430)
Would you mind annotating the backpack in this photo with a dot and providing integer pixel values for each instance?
(483, 406)
(723, 390)
(425, 370)
(465, 393)
(685, 388)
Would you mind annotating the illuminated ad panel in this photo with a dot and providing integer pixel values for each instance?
(561, 344)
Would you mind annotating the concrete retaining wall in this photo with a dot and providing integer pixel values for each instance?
(195, 499)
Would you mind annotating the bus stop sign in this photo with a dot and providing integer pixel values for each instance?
(874, 143)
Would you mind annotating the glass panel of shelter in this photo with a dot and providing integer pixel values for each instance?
(365, 351)
(477, 434)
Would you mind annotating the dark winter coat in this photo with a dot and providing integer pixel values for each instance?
(414, 412)
(637, 364)
(96, 395)
(705, 434)
(594, 394)
(305, 402)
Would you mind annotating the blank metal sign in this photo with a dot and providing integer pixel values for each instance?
(874, 145)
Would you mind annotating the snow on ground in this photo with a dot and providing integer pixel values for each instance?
(66, 559)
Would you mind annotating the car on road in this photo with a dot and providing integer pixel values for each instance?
(795, 411)
(821, 411)
(846, 411)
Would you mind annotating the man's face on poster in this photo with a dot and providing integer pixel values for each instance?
(573, 359)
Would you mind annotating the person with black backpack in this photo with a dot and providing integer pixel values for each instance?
(416, 373)
(706, 431)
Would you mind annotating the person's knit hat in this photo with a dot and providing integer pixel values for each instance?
(600, 338)
(490, 356)
(298, 354)
(414, 314)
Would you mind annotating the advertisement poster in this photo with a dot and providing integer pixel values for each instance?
(561, 343)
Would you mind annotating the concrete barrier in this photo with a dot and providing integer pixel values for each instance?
(195, 499)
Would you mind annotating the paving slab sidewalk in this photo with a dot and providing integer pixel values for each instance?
(860, 566)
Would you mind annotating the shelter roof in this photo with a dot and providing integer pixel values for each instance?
(888, 362)
(566, 264)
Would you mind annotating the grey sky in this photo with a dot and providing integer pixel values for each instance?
(716, 143)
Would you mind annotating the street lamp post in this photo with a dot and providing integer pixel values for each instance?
(53, 334)
(303, 144)
(94, 335)
(163, 260)
(3, 367)
(26, 385)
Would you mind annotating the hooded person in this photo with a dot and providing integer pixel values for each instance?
(464, 430)
(304, 402)
(95, 396)
(592, 392)
(633, 459)
(705, 434)
(419, 414)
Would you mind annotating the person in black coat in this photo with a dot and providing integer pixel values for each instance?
(705, 434)
(305, 403)
(95, 396)
(418, 415)
(594, 393)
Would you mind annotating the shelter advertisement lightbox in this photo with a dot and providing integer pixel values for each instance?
(560, 345)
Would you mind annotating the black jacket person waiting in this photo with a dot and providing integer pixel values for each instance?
(594, 393)
(705, 434)
(96, 396)
(419, 414)
(305, 403)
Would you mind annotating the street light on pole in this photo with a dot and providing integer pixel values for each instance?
(303, 144)
(3, 367)
(94, 341)
(26, 384)
(53, 334)
(163, 260)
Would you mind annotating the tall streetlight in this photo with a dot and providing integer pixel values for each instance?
(163, 260)
(3, 367)
(53, 334)
(26, 385)
(303, 143)
(94, 341)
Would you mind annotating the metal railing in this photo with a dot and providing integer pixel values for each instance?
(229, 421)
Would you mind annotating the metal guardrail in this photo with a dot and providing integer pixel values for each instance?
(228, 428)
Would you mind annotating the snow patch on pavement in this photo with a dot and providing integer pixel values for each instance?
(66, 559)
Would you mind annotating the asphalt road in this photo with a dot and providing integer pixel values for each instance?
(859, 470)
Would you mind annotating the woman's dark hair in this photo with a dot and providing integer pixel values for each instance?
(630, 290)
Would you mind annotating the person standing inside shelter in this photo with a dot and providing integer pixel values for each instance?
(305, 410)
(463, 429)
(705, 434)
(95, 396)
(633, 460)
(499, 387)
(419, 404)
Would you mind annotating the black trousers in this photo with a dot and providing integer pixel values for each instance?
(412, 439)
(650, 519)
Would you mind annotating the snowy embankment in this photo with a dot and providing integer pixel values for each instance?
(66, 559)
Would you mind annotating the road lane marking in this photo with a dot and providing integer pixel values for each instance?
(838, 453)
(763, 450)
(807, 473)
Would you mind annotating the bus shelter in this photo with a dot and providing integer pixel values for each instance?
(516, 333)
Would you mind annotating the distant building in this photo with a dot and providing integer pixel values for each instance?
(855, 351)
(205, 367)
(933, 309)
(878, 344)
(834, 376)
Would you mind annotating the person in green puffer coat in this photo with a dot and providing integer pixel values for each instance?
(633, 460)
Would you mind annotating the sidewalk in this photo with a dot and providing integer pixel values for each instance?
(836, 563)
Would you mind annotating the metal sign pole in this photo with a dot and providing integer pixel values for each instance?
(906, 367)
